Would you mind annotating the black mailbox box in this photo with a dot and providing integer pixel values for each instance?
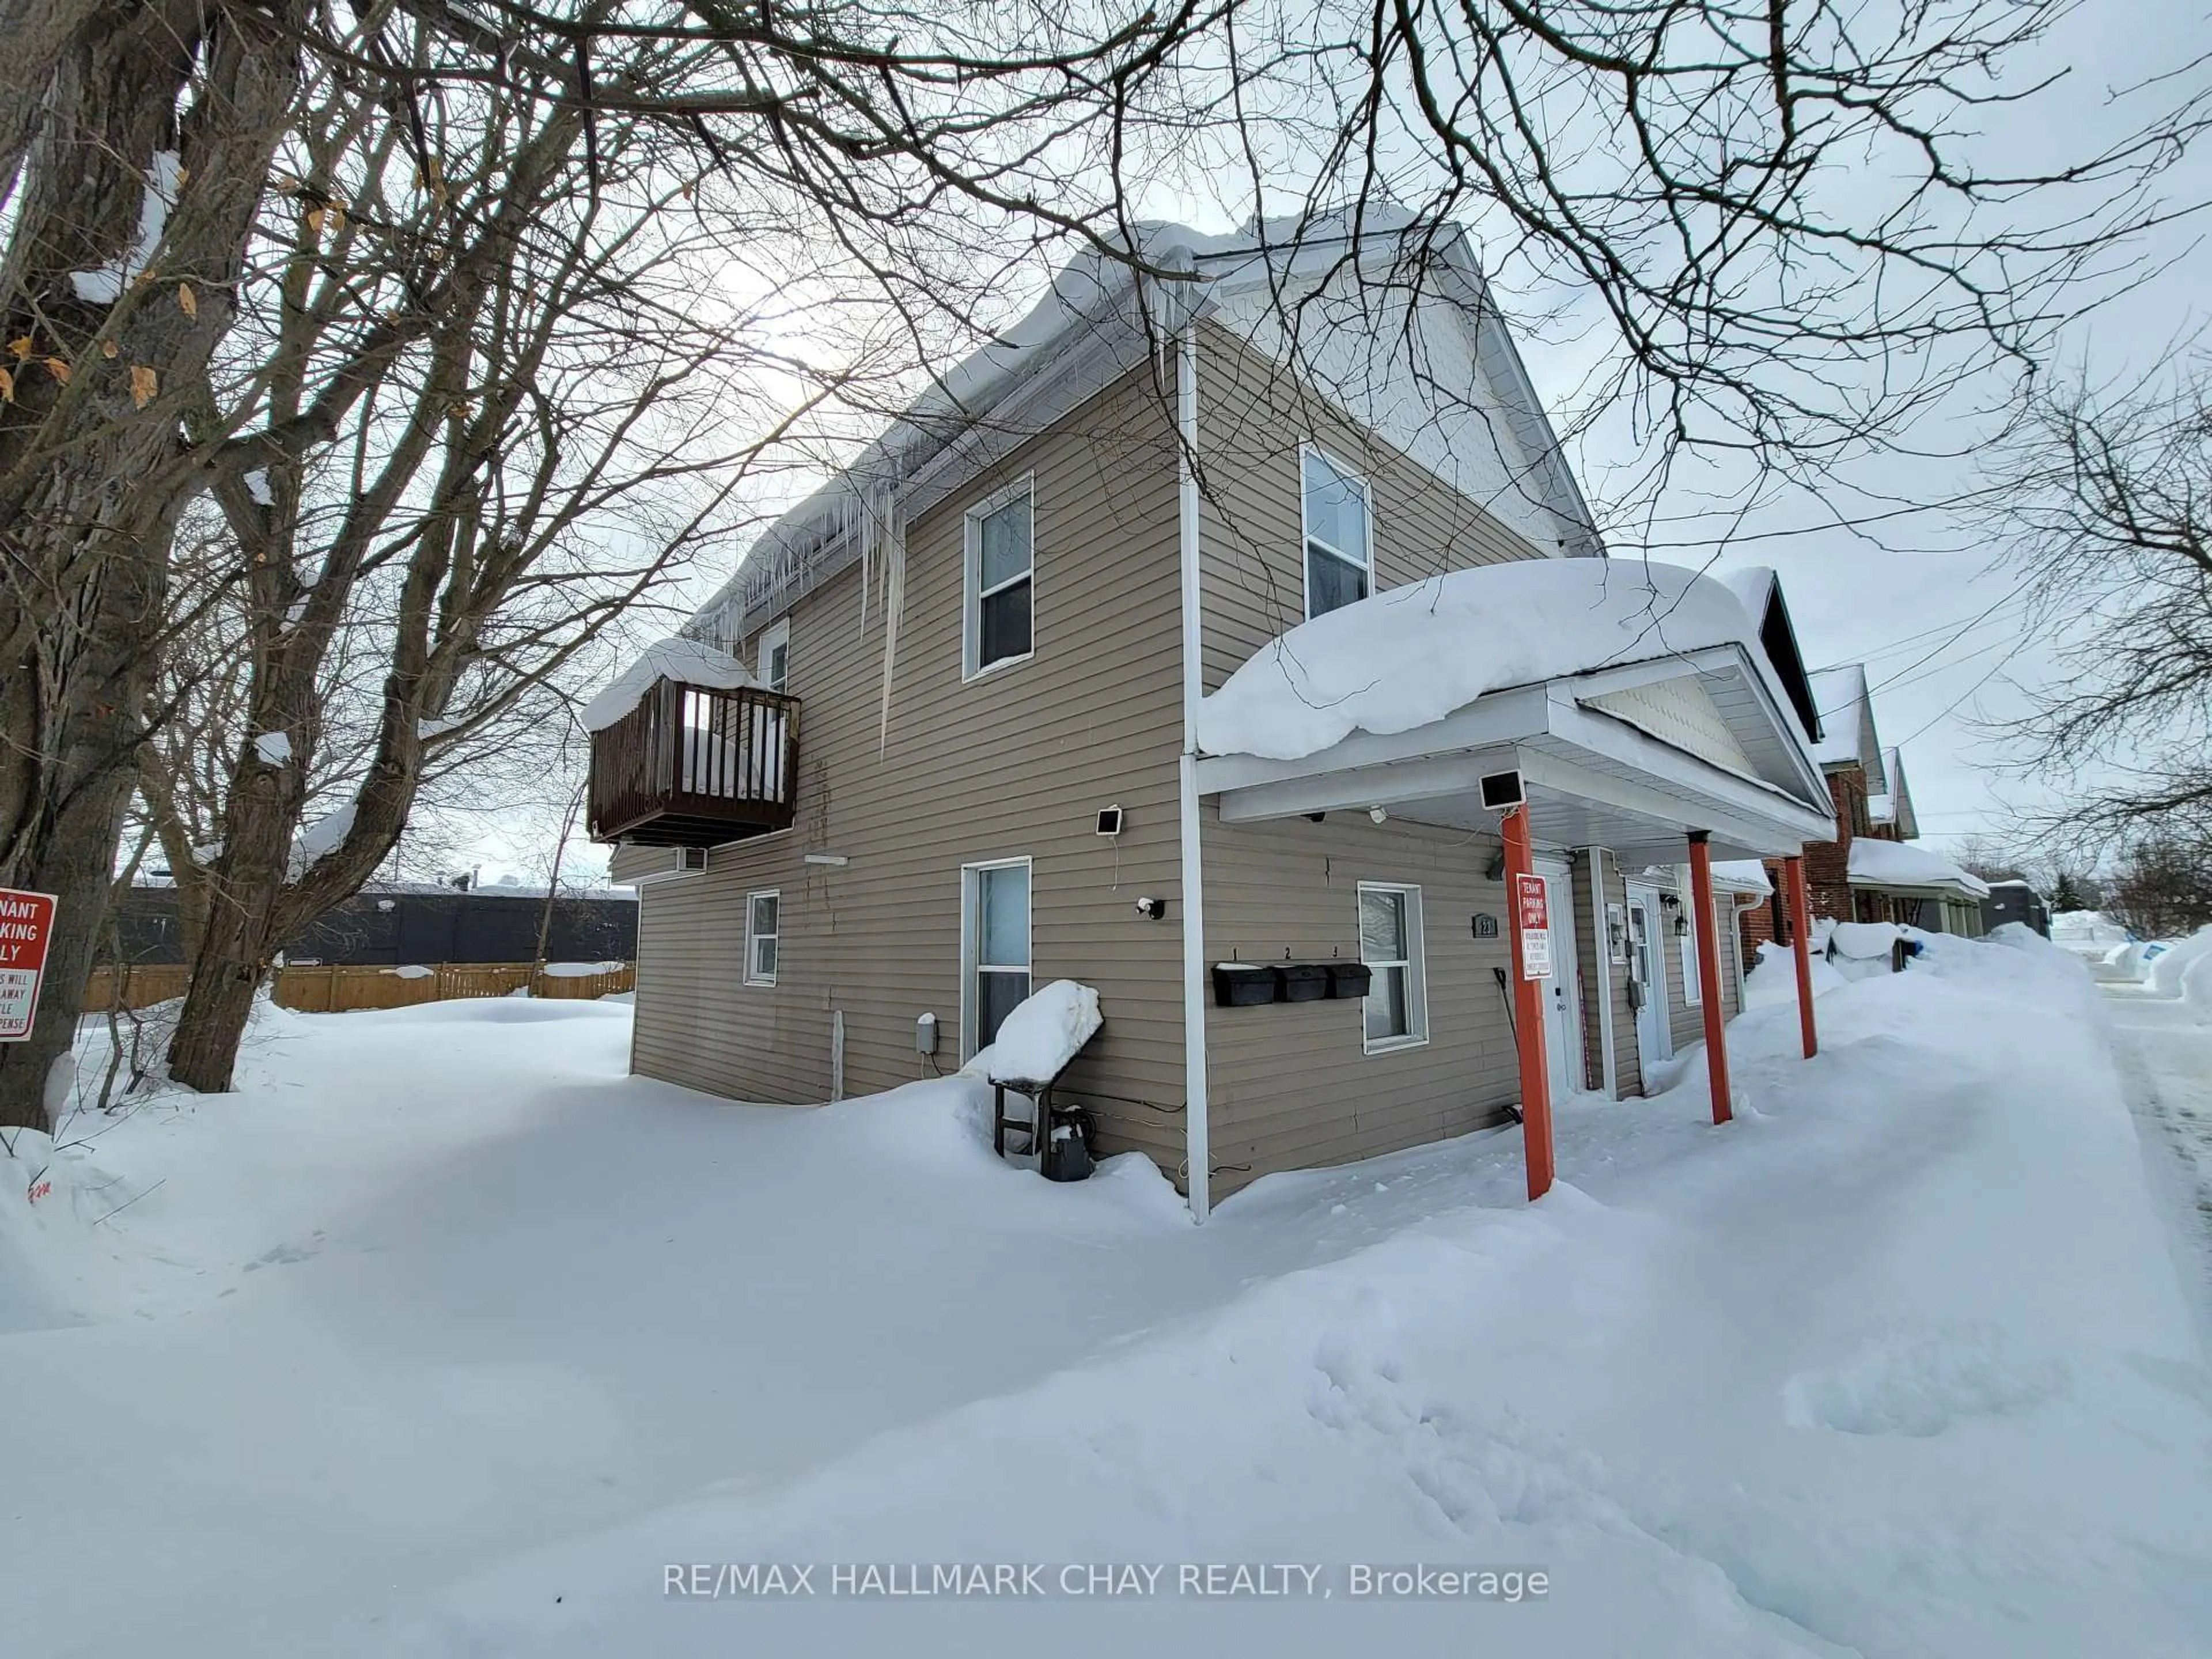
(1240, 985)
(1304, 981)
(1348, 979)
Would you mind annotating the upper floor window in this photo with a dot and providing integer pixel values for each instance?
(1001, 579)
(775, 656)
(1340, 535)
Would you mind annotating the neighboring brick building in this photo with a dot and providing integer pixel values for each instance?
(1873, 803)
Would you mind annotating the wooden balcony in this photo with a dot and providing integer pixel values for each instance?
(691, 766)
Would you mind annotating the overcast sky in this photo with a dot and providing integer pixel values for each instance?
(1938, 630)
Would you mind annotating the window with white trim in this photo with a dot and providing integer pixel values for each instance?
(1694, 988)
(1001, 579)
(1339, 534)
(1396, 1009)
(763, 936)
(776, 655)
(995, 948)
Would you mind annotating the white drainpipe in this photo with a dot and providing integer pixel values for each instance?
(1196, 1145)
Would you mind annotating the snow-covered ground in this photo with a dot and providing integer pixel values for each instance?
(443, 1337)
(2164, 1027)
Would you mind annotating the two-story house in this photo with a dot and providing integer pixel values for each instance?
(963, 724)
(1869, 871)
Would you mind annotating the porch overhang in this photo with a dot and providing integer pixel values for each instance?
(1592, 778)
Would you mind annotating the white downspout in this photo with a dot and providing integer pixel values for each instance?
(1594, 858)
(1197, 1149)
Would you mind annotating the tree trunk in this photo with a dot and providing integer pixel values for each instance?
(89, 482)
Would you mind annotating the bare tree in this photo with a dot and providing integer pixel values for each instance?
(2162, 887)
(2105, 504)
(132, 230)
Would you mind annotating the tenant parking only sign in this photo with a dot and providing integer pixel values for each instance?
(27, 921)
(1532, 915)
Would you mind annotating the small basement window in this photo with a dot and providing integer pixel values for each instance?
(763, 936)
(1338, 534)
(1001, 579)
(1397, 1002)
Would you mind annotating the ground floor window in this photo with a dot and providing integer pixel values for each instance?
(995, 945)
(763, 934)
(1397, 1005)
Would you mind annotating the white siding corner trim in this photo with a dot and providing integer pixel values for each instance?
(1197, 1145)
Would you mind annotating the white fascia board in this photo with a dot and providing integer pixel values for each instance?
(1918, 889)
(1775, 821)
(1716, 660)
(1391, 784)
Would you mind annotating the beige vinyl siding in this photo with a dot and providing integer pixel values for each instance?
(1253, 418)
(630, 865)
(1015, 762)
(1290, 1083)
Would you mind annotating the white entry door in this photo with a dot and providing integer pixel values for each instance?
(1647, 973)
(1563, 1004)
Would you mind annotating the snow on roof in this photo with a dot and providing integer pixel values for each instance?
(1747, 874)
(686, 661)
(1094, 296)
(1753, 585)
(1840, 696)
(1900, 864)
(2013, 881)
(1045, 1030)
(1411, 655)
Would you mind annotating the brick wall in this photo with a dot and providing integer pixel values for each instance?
(1827, 864)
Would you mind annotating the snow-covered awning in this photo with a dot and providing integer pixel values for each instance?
(687, 662)
(1744, 875)
(1900, 864)
(1634, 700)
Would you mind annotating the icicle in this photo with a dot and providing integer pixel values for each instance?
(894, 602)
(867, 562)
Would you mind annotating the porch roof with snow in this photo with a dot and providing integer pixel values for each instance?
(1898, 866)
(1634, 699)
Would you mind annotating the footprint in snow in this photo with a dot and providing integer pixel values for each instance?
(1921, 1383)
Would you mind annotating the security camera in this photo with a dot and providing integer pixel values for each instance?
(1152, 909)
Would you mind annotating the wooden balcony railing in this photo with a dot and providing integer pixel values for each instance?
(692, 766)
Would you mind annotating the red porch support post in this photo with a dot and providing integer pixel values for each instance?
(1709, 970)
(1800, 931)
(1528, 1016)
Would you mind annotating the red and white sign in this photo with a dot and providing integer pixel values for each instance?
(27, 921)
(1532, 917)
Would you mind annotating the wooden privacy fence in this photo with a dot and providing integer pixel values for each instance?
(333, 990)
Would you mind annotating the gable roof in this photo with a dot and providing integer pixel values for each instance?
(1416, 285)
(1848, 735)
(1759, 591)
(1896, 805)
